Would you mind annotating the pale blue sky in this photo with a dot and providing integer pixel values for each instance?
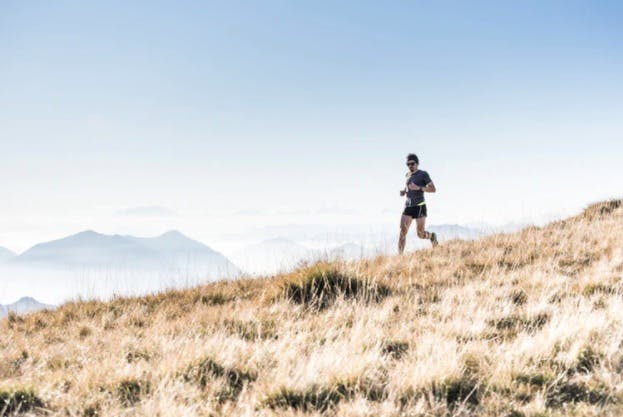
(209, 108)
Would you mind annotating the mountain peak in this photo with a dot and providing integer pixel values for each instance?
(87, 234)
(173, 233)
(23, 305)
(26, 300)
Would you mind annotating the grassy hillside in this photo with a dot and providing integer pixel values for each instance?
(524, 324)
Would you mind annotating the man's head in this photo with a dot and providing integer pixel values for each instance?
(412, 161)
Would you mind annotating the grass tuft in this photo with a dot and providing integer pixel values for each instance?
(207, 369)
(137, 355)
(598, 288)
(314, 398)
(603, 208)
(536, 379)
(320, 285)
(460, 390)
(214, 299)
(566, 392)
(18, 402)
(323, 397)
(130, 391)
(519, 297)
(588, 360)
(84, 332)
(515, 323)
(395, 349)
(251, 330)
(92, 411)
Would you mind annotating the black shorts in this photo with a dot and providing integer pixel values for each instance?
(416, 211)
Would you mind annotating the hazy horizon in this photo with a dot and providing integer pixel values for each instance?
(234, 231)
(97, 269)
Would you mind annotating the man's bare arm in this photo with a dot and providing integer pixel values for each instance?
(429, 188)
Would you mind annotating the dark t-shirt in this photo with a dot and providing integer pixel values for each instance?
(420, 178)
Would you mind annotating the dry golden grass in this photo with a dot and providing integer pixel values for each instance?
(524, 324)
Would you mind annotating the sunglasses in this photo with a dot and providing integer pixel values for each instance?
(410, 164)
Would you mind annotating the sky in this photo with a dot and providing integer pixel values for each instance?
(217, 118)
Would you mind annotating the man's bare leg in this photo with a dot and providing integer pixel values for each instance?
(422, 233)
(405, 222)
(421, 226)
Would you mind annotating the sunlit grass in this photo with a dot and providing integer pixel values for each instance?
(522, 324)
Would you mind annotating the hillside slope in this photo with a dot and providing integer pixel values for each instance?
(524, 324)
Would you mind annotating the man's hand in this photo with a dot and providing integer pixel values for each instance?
(412, 186)
(402, 193)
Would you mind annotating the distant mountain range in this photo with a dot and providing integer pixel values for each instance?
(6, 254)
(455, 231)
(280, 255)
(22, 306)
(170, 251)
(272, 256)
(174, 255)
(347, 251)
(356, 233)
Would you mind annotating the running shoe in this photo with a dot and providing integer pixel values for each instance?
(433, 239)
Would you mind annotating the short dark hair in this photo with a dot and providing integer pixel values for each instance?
(413, 157)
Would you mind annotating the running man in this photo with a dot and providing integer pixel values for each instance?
(418, 182)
